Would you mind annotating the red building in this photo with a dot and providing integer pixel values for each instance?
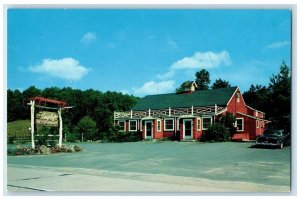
(189, 114)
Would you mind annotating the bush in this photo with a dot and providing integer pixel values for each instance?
(217, 132)
(118, 136)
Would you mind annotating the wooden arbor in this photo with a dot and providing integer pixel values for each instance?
(45, 103)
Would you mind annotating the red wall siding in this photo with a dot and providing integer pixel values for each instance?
(250, 131)
(197, 134)
(157, 134)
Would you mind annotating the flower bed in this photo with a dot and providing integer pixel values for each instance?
(41, 150)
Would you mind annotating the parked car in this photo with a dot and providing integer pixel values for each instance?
(274, 138)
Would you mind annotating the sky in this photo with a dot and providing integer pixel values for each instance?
(142, 52)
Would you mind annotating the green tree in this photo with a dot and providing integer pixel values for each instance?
(202, 79)
(219, 83)
(87, 128)
(257, 97)
(280, 98)
(228, 121)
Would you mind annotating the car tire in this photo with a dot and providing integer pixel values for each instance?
(281, 145)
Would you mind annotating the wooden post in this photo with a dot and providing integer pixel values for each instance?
(60, 128)
(149, 112)
(216, 109)
(32, 103)
(169, 112)
(130, 113)
(192, 110)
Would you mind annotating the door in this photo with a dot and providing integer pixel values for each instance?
(148, 130)
(187, 129)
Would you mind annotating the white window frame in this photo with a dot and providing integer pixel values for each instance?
(158, 121)
(130, 126)
(242, 123)
(207, 117)
(198, 123)
(165, 124)
(262, 124)
(124, 125)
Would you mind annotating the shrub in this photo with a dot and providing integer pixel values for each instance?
(118, 136)
(217, 132)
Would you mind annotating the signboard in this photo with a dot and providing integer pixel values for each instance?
(46, 118)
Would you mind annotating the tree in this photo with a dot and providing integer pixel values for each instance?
(202, 79)
(280, 98)
(87, 128)
(258, 97)
(219, 83)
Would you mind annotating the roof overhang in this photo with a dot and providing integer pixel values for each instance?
(253, 117)
(186, 116)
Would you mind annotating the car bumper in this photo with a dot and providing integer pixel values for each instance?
(267, 144)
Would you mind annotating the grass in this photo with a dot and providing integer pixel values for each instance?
(18, 129)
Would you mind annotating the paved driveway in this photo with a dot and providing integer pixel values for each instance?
(227, 162)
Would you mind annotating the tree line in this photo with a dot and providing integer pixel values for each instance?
(273, 99)
(90, 119)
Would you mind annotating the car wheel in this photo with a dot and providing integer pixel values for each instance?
(281, 145)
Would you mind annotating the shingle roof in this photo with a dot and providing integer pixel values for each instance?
(197, 98)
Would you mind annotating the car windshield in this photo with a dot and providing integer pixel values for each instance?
(273, 132)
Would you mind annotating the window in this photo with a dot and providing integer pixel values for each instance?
(132, 125)
(198, 124)
(159, 125)
(239, 124)
(169, 125)
(206, 122)
(262, 124)
(237, 97)
(122, 125)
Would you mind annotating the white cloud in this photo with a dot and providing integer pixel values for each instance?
(277, 45)
(88, 38)
(66, 68)
(152, 87)
(203, 60)
(200, 60)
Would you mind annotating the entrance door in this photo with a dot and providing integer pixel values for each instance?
(148, 129)
(187, 129)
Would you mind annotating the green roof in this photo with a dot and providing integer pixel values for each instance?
(198, 98)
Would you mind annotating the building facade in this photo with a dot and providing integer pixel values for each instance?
(188, 115)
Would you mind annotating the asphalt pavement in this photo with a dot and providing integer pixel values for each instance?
(154, 167)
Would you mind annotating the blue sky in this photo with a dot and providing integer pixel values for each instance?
(144, 52)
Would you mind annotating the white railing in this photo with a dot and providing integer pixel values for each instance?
(170, 112)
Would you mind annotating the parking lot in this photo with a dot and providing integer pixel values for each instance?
(155, 167)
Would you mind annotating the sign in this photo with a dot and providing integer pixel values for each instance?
(46, 118)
